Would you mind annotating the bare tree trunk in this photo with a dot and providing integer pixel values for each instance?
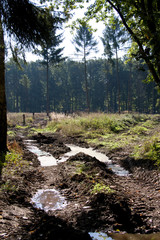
(3, 108)
(47, 78)
(86, 84)
(118, 83)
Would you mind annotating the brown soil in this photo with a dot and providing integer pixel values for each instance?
(131, 206)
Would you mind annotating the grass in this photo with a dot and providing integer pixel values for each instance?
(150, 149)
(110, 131)
(101, 188)
(12, 166)
(114, 131)
(97, 123)
(14, 119)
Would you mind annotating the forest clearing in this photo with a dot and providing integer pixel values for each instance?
(97, 199)
(80, 131)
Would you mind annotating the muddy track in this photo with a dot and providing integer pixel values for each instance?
(133, 206)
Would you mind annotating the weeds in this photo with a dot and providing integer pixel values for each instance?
(8, 187)
(12, 165)
(150, 149)
(101, 188)
(140, 130)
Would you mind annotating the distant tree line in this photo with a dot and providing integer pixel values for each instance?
(26, 87)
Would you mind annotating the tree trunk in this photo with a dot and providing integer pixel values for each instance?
(3, 108)
(86, 81)
(118, 83)
(47, 78)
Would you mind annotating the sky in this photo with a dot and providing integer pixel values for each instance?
(69, 50)
(69, 46)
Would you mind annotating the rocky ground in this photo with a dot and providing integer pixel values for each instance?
(131, 204)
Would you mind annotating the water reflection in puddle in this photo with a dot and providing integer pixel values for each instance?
(49, 199)
(45, 158)
(99, 236)
(93, 153)
(126, 236)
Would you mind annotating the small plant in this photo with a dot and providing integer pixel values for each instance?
(21, 127)
(139, 130)
(11, 133)
(101, 188)
(8, 187)
(13, 161)
(149, 150)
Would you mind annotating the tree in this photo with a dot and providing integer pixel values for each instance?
(25, 86)
(84, 43)
(51, 56)
(29, 24)
(140, 18)
(113, 39)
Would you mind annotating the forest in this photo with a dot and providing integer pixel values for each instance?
(26, 87)
(80, 135)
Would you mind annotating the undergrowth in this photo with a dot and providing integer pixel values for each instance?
(101, 188)
(12, 165)
(150, 149)
(98, 123)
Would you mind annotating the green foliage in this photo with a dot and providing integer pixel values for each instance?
(13, 162)
(11, 133)
(139, 130)
(150, 149)
(8, 187)
(114, 37)
(84, 41)
(101, 188)
(95, 123)
(143, 28)
(67, 88)
(21, 127)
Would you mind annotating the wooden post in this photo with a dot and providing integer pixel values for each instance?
(24, 121)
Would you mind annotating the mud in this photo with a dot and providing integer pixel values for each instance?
(131, 205)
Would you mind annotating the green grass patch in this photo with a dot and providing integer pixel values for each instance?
(139, 130)
(21, 127)
(101, 188)
(150, 149)
(8, 187)
(11, 133)
(111, 131)
(12, 165)
(94, 124)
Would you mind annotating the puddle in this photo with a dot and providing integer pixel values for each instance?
(45, 158)
(126, 236)
(93, 153)
(48, 199)
(99, 236)
(51, 199)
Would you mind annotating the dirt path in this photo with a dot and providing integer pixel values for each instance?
(132, 205)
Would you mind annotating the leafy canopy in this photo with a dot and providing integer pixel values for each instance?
(28, 23)
(141, 18)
